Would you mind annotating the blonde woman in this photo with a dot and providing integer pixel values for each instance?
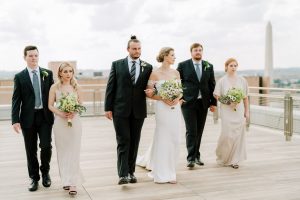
(231, 149)
(67, 139)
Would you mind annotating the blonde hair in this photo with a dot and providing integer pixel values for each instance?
(228, 61)
(73, 81)
(163, 52)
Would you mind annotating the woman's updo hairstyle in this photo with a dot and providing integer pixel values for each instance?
(162, 53)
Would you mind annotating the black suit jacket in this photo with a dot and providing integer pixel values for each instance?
(122, 96)
(191, 84)
(23, 99)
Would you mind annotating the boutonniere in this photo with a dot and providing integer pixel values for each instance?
(143, 65)
(206, 65)
(44, 74)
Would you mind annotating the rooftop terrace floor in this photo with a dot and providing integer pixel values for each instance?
(272, 170)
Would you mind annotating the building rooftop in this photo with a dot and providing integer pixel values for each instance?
(271, 172)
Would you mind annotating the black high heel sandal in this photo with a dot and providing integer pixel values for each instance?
(235, 166)
(72, 191)
(66, 187)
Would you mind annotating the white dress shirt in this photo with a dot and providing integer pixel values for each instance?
(200, 67)
(137, 66)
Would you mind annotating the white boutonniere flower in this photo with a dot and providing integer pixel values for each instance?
(206, 65)
(143, 65)
(44, 74)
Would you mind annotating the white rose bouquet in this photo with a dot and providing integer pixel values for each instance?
(170, 90)
(69, 103)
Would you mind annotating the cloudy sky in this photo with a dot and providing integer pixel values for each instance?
(95, 32)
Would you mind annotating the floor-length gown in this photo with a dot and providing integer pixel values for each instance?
(68, 144)
(163, 153)
(231, 148)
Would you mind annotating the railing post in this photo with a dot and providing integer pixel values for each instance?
(288, 117)
(94, 101)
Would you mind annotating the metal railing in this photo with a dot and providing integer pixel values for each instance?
(276, 108)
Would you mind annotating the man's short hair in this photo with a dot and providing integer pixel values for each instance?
(29, 48)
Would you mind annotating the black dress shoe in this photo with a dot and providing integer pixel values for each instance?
(191, 164)
(132, 178)
(199, 162)
(33, 186)
(46, 180)
(123, 180)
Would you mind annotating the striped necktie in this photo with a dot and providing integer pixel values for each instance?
(132, 72)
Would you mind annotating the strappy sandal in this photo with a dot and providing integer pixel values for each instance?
(66, 187)
(235, 166)
(72, 191)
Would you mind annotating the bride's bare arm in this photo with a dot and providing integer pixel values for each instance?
(150, 89)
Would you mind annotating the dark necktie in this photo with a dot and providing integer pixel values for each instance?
(36, 88)
(132, 72)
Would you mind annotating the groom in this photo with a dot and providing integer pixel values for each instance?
(198, 81)
(125, 104)
(30, 114)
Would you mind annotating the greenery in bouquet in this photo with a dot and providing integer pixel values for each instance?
(233, 95)
(69, 103)
(170, 89)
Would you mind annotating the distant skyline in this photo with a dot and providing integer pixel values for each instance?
(95, 32)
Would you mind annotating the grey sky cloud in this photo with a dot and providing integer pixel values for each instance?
(96, 32)
(115, 16)
(90, 2)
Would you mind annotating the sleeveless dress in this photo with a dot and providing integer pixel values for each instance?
(231, 148)
(163, 153)
(68, 144)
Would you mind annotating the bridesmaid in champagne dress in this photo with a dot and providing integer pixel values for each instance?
(231, 148)
(67, 139)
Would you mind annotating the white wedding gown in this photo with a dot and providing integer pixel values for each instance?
(163, 153)
(68, 143)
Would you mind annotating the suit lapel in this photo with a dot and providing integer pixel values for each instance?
(126, 68)
(141, 71)
(191, 65)
(203, 70)
(27, 79)
(41, 80)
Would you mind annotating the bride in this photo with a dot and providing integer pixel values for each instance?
(162, 155)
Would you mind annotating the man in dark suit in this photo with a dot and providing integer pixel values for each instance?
(30, 114)
(125, 103)
(198, 81)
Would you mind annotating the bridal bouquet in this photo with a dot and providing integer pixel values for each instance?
(170, 90)
(233, 96)
(69, 103)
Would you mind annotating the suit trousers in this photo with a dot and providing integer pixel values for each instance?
(194, 118)
(42, 130)
(128, 133)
